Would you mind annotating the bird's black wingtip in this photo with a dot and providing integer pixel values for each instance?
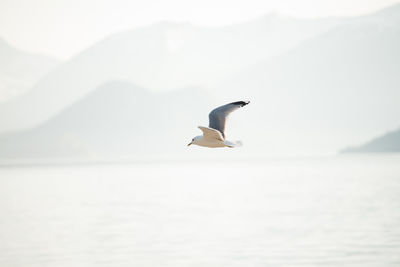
(241, 103)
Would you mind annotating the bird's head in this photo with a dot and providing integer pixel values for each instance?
(195, 140)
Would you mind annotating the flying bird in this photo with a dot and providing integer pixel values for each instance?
(214, 134)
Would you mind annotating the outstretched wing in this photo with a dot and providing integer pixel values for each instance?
(211, 134)
(218, 116)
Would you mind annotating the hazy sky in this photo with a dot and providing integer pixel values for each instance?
(62, 28)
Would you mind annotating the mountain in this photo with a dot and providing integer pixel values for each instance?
(389, 142)
(323, 86)
(116, 119)
(334, 88)
(20, 70)
(159, 57)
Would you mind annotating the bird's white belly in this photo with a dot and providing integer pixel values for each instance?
(211, 143)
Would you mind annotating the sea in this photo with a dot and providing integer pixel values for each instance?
(341, 210)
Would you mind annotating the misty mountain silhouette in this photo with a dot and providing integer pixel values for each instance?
(341, 83)
(159, 57)
(333, 82)
(116, 118)
(389, 142)
(19, 70)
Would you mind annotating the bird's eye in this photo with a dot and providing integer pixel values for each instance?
(193, 139)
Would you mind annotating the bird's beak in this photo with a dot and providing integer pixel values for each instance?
(189, 144)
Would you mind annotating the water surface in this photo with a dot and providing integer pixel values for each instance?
(342, 211)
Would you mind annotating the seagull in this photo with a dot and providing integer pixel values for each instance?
(213, 135)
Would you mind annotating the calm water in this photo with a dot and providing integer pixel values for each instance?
(342, 211)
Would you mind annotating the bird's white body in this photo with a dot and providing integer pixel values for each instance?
(207, 142)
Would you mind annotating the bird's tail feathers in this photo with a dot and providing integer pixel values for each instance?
(234, 144)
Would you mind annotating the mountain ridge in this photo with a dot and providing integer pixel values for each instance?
(158, 57)
(116, 118)
(386, 143)
(19, 70)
